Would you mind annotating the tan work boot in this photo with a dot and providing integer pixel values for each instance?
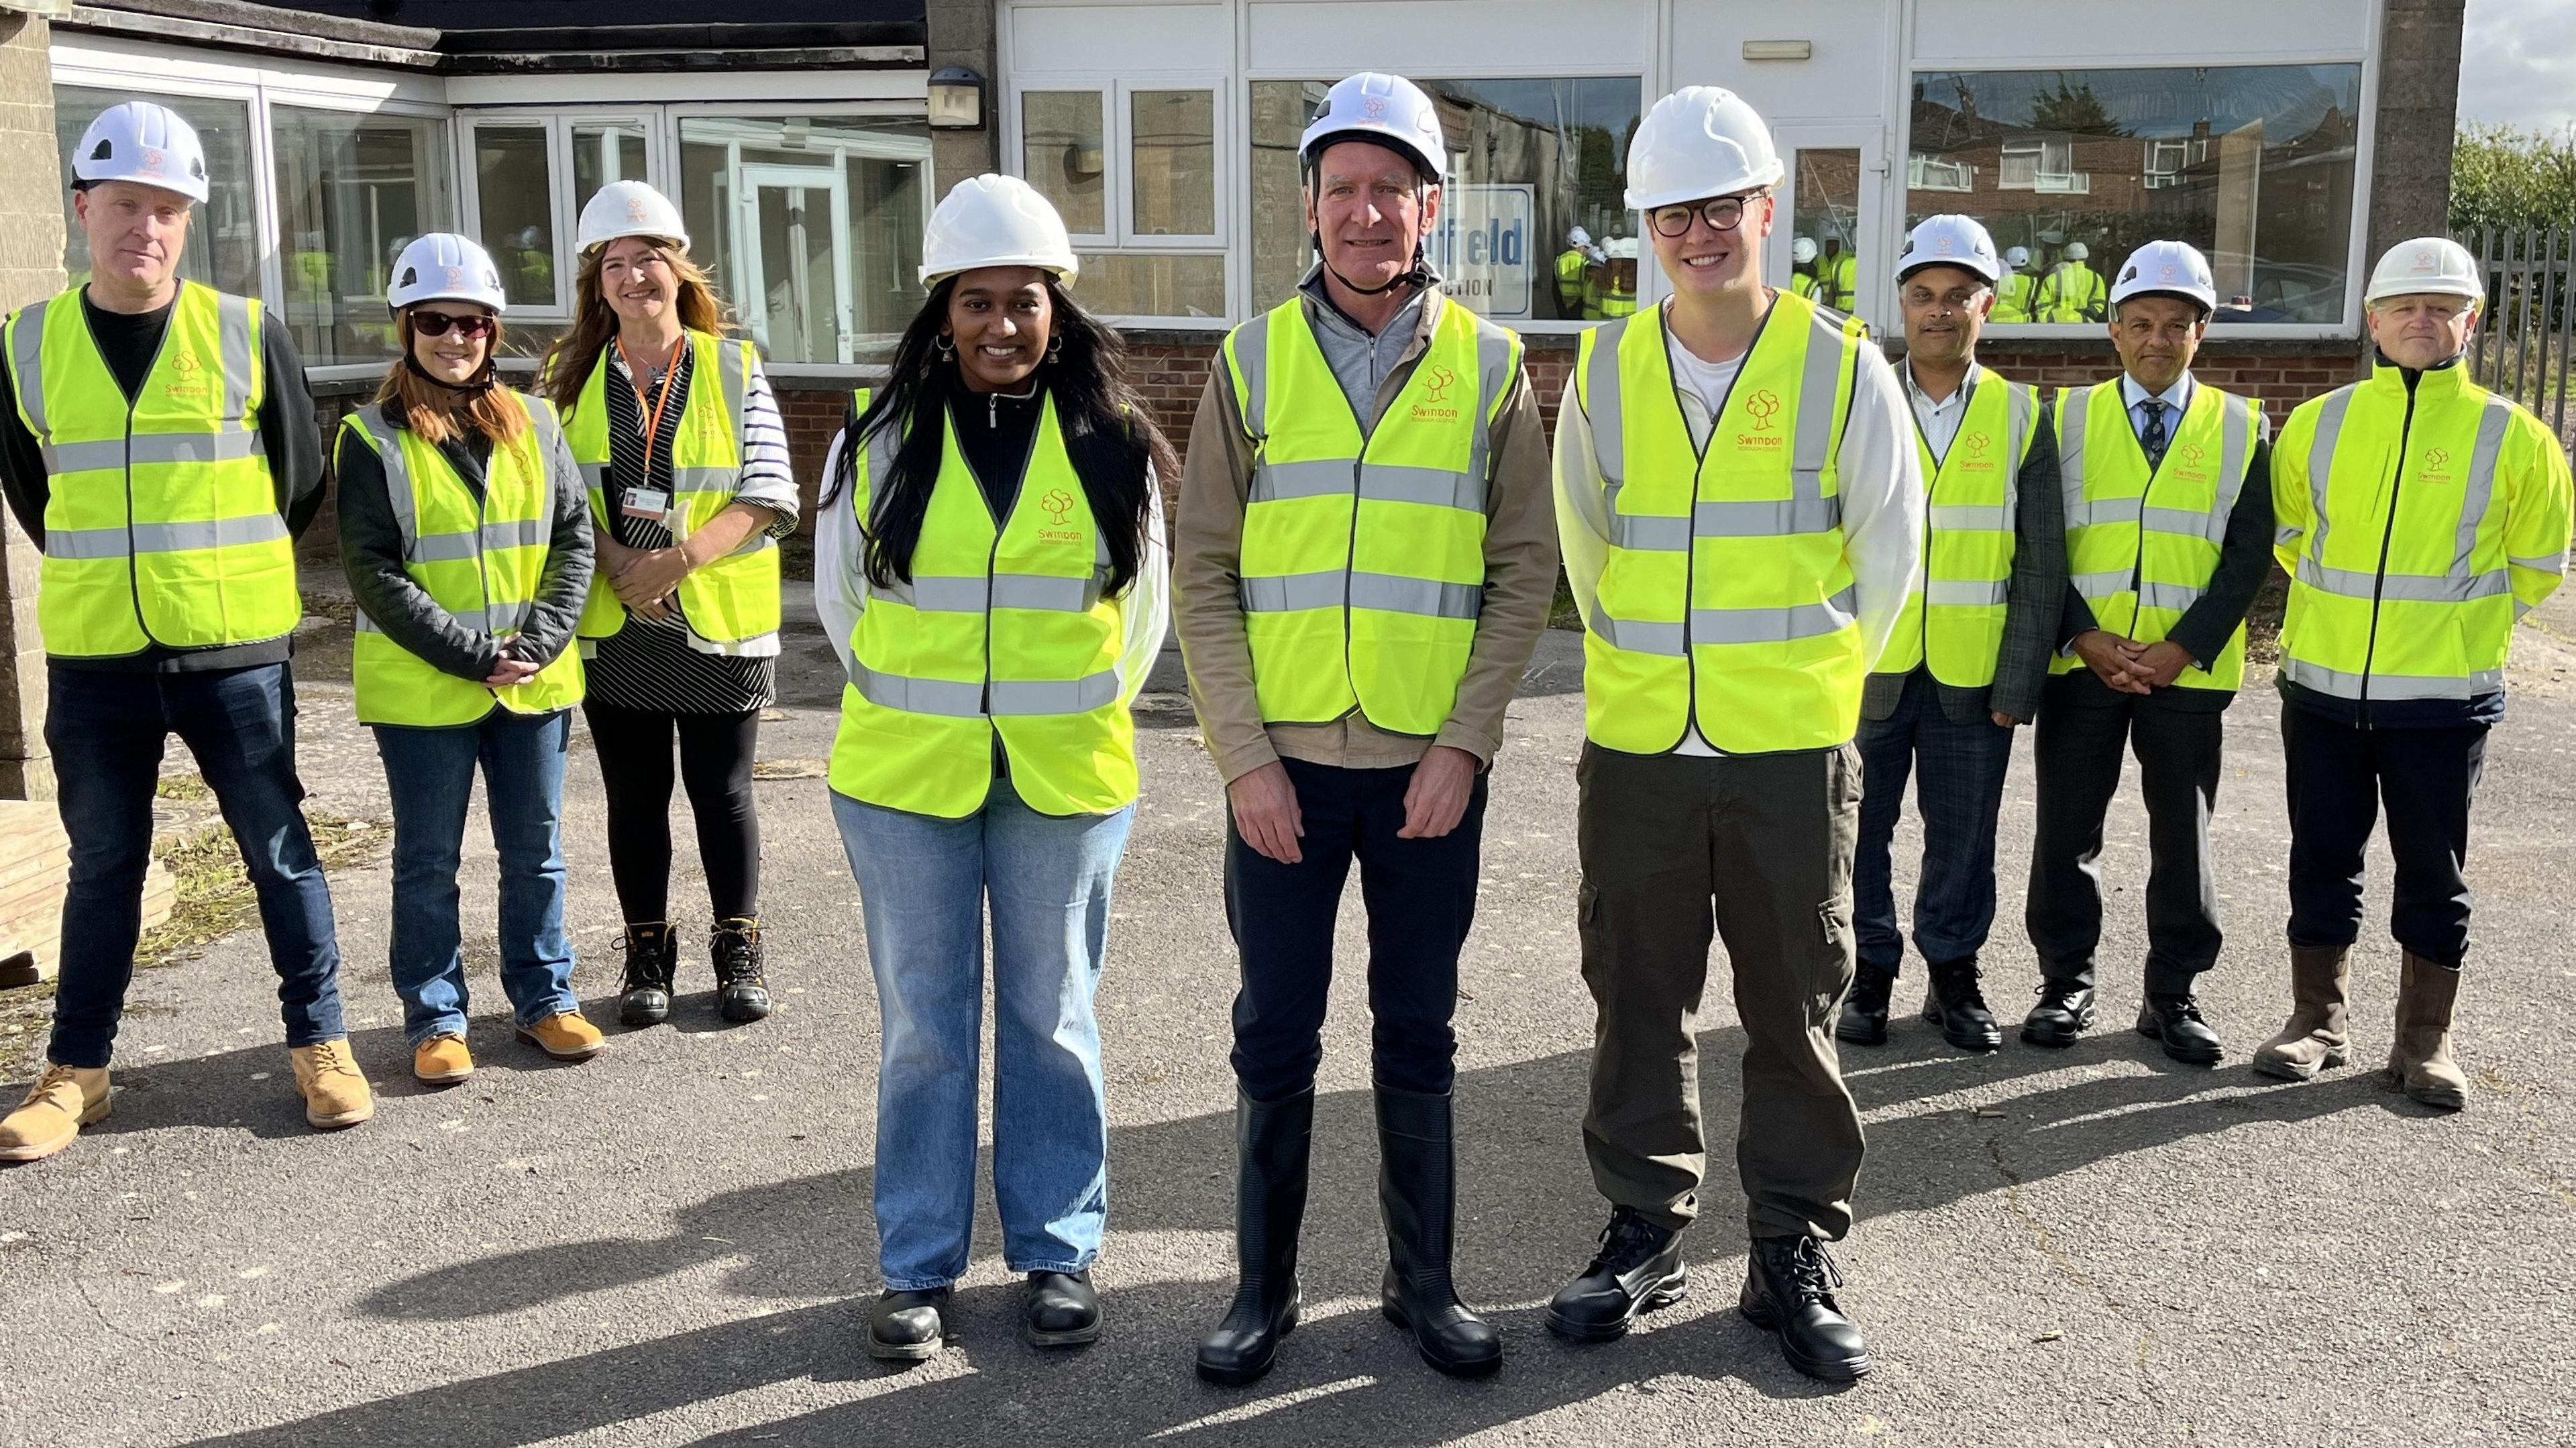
(441, 1061)
(63, 1100)
(336, 1093)
(2420, 1057)
(564, 1036)
(2314, 1038)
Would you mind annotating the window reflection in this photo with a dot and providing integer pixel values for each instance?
(223, 232)
(352, 191)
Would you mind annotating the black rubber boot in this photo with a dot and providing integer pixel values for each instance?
(652, 959)
(1417, 1189)
(1863, 1020)
(741, 992)
(1956, 1005)
(1271, 1139)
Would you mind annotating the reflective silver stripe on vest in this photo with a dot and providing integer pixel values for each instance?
(1814, 446)
(519, 533)
(1252, 356)
(2410, 587)
(1665, 639)
(1494, 378)
(2107, 510)
(595, 476)
(2185, 523)
(2100, 585)
(1436, 487)
(1767, 520)
(2175, 596)
(2480, 493)
(2390, 686)
(144, 448)
(1651, 535)
(2549, 563)
(2019, 403)
(1384, 592)
(27, 359)
(372, 421)
(163, 537)
(1773, 625)
(2321, 454)
(1971, 518)
(1322, 478)
(1960, 593)
(2070, 451)
(1601, 403)
(965, 700)
(233, 324)
(1042, 591)
(461, 547)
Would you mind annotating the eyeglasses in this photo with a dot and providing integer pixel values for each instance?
(1722, 213)
(438, 324)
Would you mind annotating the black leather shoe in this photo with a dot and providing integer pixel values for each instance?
(1789, 1287)
(1270, 1144)
(1956, 1005)
(2175, 1021)
(1638, 1269)
(652, 959)
(2064, 1013)
(1062, 1310)
(1863, 1019)
(906, 1326)
(1417, 1192)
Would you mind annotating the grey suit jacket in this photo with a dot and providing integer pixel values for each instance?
(2034, 600)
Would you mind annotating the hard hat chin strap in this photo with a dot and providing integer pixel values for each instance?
(1419, 274)
(484, 379)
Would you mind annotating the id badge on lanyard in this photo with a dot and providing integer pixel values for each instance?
(644, 501)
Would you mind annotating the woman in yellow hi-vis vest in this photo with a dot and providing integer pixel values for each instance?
(686, 459)
(465, 531)
(989, 563)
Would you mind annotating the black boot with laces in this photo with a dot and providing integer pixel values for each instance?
(652, 959)
(1638, 1269)
(741, 992)
(1789, 1287)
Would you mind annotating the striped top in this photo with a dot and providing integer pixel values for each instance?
(662, 665)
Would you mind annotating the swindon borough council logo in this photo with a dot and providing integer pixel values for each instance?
(1434, 404)
(1057, 504)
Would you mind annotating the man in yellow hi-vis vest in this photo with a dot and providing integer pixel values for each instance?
(2419, 516)
(2168, 537)
(1965, 667)
(158, 444)
(1572, 265)
(2017, 293)
(1742, 513)
(1363, 564)
(2072, 291)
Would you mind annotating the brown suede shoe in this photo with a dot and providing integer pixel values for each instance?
(2314, 1038)
(2420, 1057)
(441, 1061)
(63, 1100)
(564, 1036)
(336, 1093)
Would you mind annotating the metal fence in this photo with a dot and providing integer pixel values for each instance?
(2523, 347)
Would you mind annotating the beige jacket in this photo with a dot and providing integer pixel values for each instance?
(1520, 586)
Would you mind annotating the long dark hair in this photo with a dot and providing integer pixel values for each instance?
(1107, 434)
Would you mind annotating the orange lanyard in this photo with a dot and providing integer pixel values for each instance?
(652, 414)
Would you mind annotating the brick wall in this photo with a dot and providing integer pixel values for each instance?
(31, 266)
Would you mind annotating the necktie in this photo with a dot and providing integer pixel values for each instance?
(2152, 435)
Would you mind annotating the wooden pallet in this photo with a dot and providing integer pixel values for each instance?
(35, 870)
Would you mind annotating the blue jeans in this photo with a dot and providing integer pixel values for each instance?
(431, 775)
(107, 731)
(923, 883)
(1959, 790)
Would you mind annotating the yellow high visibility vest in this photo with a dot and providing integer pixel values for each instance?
(2016, 297)
(1804, 284)
(1363, 562)
(1002, 629)
(2072, 293)
(161, 526)
(1955, 618)
(1726, 601)
(735, 597)
(1841, 287)
(1570, 265)
(2404, 580)
(2140, 545)
(481, 561)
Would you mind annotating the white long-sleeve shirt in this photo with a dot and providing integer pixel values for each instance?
(1878, 473)
(841, 582)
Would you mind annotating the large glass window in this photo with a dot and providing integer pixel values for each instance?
(1174, 181)
(811, 227)
(605, 152)
(1530, 161)
(1067, 156)
(512, 180)
(223, 233)
(2252, 164)
(352, 190)
(1132, 168)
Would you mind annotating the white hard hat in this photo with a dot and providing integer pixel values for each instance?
(2173, 268)
(1578, 237)
(629, 208)
(1372, 105)
(1701, 141)
(1949, 241)
(995, 221)
(144, 143)
(2429, 264)
(445, 267)
(2077, 251)
(1803, 250)
(2017, 258)
(1623, 248)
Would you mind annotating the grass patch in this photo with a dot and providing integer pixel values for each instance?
(186, 787)
(1562, 613)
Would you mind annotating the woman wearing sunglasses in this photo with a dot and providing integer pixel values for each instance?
(467, 544)
(989, 563)
(676, 430)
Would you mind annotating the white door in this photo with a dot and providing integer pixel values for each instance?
(795, 262)
(1837, 175)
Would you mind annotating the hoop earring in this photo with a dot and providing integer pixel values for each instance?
(1055, 350)
(947, 347)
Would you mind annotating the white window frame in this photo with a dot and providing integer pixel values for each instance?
(557, 123)
(1015, 148)
(1118, 156)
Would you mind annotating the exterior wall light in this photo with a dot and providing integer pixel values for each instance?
(956, 99)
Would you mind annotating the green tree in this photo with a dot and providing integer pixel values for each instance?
(2503, 176)
(2074, 109)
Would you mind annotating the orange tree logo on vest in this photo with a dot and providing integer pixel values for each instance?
(2434, 458)
(1762, 406)
(1977, 443)
(2192, 454)
(1436, 382)
(1058, 505)
(191, 381)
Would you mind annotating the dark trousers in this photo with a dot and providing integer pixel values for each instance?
(2083, 726)
(716, 753)
(2339, 775)
(1958, 774)
(107, 731)
(1679, 851)
(1421, 899)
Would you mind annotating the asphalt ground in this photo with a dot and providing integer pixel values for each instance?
(673, 1243)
